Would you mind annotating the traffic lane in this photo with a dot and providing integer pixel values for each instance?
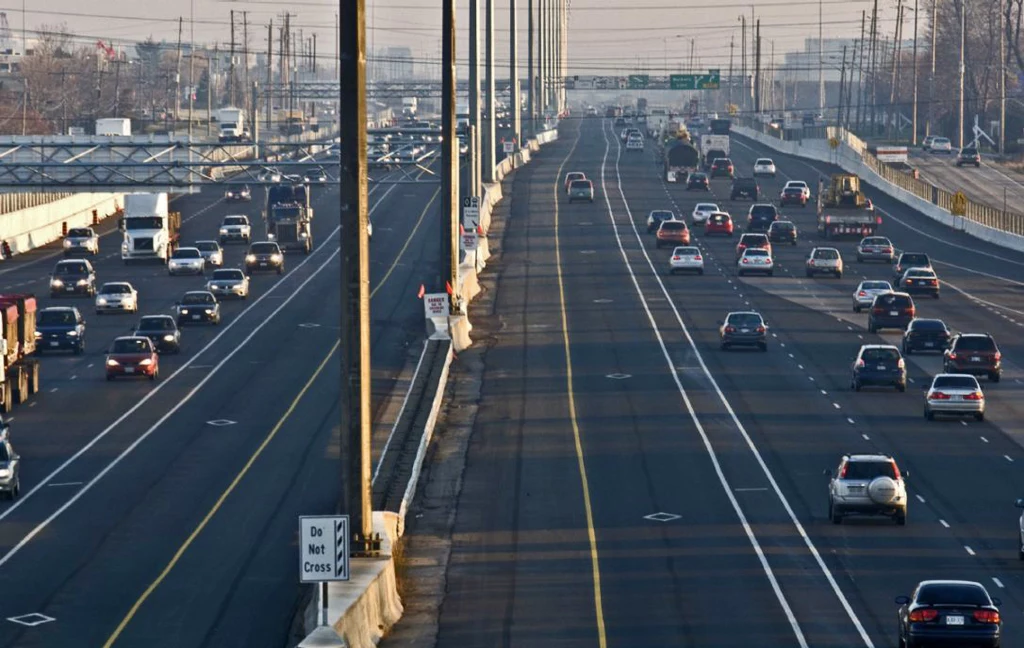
(776, 406)
(644, 455)
(520, 563)
(120, 535)
(987, 184)
(815, 602)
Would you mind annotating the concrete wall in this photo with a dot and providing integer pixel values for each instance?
(34, 227)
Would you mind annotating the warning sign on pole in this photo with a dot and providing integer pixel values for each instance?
(436, 305)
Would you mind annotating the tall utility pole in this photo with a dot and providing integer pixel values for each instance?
(210, 89)
(931, 77)
(231, 65)
(270, 76)
(732, 47)
(892, 116)
(1002, 78)
(913, 131)
(337, 36)
(842, 84)
(488, 119)
(355, 276)
(757, 67)
(542, 53)
(821, 63)
(177, 77)
(860, 70)
(872, 66)
(449, 229)
(963, 46)
(743, 62)
(531, 80)
(473, 136)
(249, 109)
(515, 105)
(192, 66)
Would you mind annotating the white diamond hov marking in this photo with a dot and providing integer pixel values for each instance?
(221, 422)
(31, 620)
(619, 376)
(662, 517)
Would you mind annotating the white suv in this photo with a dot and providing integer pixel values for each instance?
(825, 260)
(866, 484)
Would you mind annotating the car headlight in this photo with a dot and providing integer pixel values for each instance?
(184, 311)
(271, 236)
(168, 338)
(72, 333)
(276, 258)
(145, 362)
(112, 363)
(303, 235)
(5, 473)
(67, 243)
(101, 301)
(208, 311)
(223, 230)
(38, 335)
(56, 282)
(83, 282)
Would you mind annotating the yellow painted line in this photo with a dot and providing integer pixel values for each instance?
(595, 566)
(401, 253)
(220, 501)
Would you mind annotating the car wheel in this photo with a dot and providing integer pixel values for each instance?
(901, 387)
(901, 519)
(936, 295)
(280, 270)
(110, 377)
(809, 274)
(834, 515)
(700, 272)
(929, 415)
(771, 273)
(763, 346)
(724, 346)
(994, 377)
(79, 349)
(980, 417)
(872, 328)
(856, 309)
(153, 376)
(839, 275)
(1020, 553)
(907, 350)
(855, 384)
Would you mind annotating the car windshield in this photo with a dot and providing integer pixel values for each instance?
(940, 140)
(893, 301)
(757, 252)
(915, 260)
(580, 184)
(698, 177)
(235, 220)
(115, 289)
(831, 255)
(723, 162)
(720, 218)
(782, 225)
(763, 211)
(707, 207)
(869, 469)
(228, 275)
(875, 285)
(264, 248)
(207, 246)
(130, 346)
(754, 239)
(880, 355)
(921, 273)
(928, 325)
(156, 324)
(952, 594)
(71, 269)
(143, 223)
(763, 161)
(55, 317)
(955, 382)
(875, 241)
(796, 184)
(673, 226)
(745, 319)
(79, 232)
(575, 175)
(197, 298)
(186, 253)
(975, 343)
(745, 183)
(661, 215)
(794, 190)
(686, 251)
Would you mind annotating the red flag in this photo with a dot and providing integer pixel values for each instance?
(462, 230)
(480, 230)
(422, 292)
(448, 287)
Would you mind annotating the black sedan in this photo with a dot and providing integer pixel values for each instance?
(238, 194)
(949, 613)
(162, 330)
(743, 329)
(198, 306)
(698, 181)
(926, 335)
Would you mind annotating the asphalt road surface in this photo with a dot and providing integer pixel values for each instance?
(140, 522)
(989, 184)
(607, 400)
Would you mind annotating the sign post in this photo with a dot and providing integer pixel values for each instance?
(323, 552)
(509, 147)
(958, 205)
(470, 212)
(709, 81)
(638, 81)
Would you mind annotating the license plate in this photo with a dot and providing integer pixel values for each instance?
(263, 263)
(929, 344)
(70, 289)
(128, 370)
(881, 367)
(954, 620)
(55, 344)
(195, 317)
(745, 330)
(975, 359)
(893, 313)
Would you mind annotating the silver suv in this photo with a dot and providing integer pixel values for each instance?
(866, 484)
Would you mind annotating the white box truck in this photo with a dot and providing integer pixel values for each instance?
(232, 125)
(114, 126)
(150, 230)
(410, 105)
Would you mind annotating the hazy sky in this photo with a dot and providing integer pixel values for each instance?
(604, 38)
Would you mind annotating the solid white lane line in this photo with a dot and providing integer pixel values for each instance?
(998, 583)
(919, 498)
(732, 414)
(866, 437)
(944, 523)
(983, 439)
(1007, 457)
(970, 551)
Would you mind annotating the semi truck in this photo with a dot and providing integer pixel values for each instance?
(843, 209)
(19, 373)
(151, 231)
(681, 158)
(288, 217)
(114, 126)
(410, 106)
(232, 125)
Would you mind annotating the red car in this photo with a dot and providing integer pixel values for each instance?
(718, 223)
(793, 196)
(132, 356)
(673, 232)
(753, 241)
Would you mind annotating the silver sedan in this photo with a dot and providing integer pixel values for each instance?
(956, 394)
(864, 295)
(229, 282)
(686, 258)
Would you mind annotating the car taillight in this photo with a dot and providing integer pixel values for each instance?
(860, 364)
(744, 259)
(908, 311)
(697, 258)
(741, 246)
(842, 472)
(975, 396)
(862, 294)
(760, 329)
(878, 219)
(887, 250)
(939, 396)
(901, 364)
(895, 470)
(878, 311)
(730, 329)
(986, 616)
(924, 615)
(952, 355)
(675, 258)
(998, 356)
(909, 281)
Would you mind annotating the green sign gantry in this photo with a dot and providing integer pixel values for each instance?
(709, 81)
(638, 81)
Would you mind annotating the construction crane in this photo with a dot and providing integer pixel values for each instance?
(6, 41)
(107, 49)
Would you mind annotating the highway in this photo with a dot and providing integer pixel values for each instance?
(990, 184)
(140, 522)
(607, 399)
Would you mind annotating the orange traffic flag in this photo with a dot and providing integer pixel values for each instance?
(422, 292)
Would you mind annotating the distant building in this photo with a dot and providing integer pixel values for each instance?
(803, 65)
(393, 64)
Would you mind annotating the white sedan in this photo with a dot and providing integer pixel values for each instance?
(702, 212)
(186, 260)
(755, 260)
(686, 258)
(800, 184)
(864, 295)
(941, 145)
(764, 167)
(117, 297)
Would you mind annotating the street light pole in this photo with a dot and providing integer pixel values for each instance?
(963, 44)
(913, 134)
